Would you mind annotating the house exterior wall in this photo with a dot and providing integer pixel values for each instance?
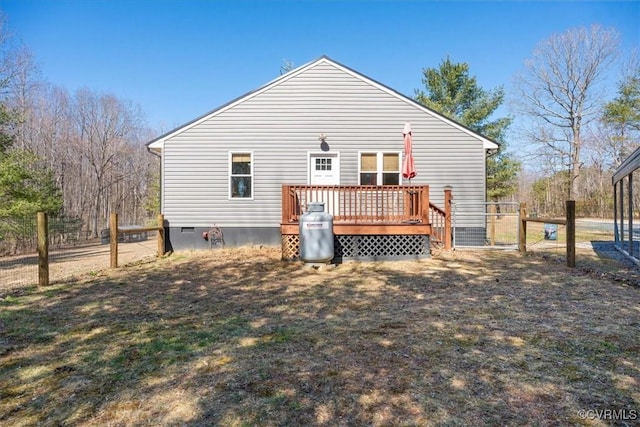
(281, 124)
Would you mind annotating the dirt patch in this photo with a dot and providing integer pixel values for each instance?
(239, 337)
(70, 262)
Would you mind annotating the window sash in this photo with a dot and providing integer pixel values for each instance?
(390, 162)
(323, 164)
(241, 175)
(369, 162)
(380, 168)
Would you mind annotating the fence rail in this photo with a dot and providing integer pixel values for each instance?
(36, 250)
(115, 231)
(569, 222)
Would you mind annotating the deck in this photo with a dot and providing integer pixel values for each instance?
(386, 211)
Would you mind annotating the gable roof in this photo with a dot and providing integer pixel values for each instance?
(157, 143)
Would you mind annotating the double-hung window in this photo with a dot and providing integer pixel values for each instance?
(241, 175)
(379, 168)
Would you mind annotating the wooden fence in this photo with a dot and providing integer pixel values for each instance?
(569, 222)
(114, 231)
(43, 242)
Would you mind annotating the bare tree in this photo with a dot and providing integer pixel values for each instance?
(105, 124)
(92, 143)
(14, 59)
(17, 82)
(559, 92)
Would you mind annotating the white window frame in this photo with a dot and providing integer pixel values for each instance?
(380, 164)
(230, 175)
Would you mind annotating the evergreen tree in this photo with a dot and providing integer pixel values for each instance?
(622, 115)
(26, 187)
(6, 137)
(451, 91)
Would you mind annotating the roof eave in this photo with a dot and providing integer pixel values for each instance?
(156, 146)
(629, 165)
(490, 145)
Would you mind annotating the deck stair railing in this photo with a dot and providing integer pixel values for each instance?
(437, 217)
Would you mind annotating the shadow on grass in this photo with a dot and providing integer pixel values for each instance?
(234, 338)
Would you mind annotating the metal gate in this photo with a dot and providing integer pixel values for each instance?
(485, 225)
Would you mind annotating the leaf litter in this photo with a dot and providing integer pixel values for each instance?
(239, 337)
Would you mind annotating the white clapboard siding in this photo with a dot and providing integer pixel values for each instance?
(281, 123)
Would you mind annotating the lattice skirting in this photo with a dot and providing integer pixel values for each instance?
(366, 247)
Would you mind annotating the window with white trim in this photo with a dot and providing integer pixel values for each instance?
(241, 175)
(323, 163)
(379, 168)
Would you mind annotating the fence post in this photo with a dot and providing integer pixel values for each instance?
(616, 233)
(492, 224)
(621, 202)
(43, 249)
(571, 233)
(424, 205)
(522, 230)
(447, 217)
(113, 239)
(630, 197)
(160, 235)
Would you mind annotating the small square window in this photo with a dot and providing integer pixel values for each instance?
(323, 164)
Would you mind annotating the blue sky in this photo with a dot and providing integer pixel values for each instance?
(181, 59)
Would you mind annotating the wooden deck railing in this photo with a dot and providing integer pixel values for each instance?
(441, 221)
(359, 204)
(370, 204)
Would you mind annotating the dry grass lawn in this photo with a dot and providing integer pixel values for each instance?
(240, 338)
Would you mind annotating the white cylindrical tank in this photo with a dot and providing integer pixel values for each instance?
(316, 234)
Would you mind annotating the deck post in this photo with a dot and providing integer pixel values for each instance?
(113, 234)
(43, 249)
(424, 206)
(522, 230)
(285, 204)
(447, 217)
